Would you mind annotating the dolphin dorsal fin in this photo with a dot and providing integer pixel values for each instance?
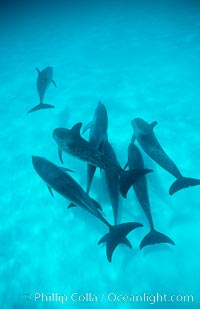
(88, 126)
(153, 124)
(75, 130)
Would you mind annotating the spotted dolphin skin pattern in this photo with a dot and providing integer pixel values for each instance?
(135, 160)
(58, 180)
(144, 134)
(71, 142)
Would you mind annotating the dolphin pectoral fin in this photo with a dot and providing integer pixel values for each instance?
(60, 154)
(50, 190)
(88, 126)
(75, 130)
(37, 70)
(116, 236)
(182, 183)
(125, 166)
(65, 169)
(96, 204)
(71, 205)
(90, 174)
(128, 178)
(40, 106)
(53, 82)
(154, 237)
(153, 124)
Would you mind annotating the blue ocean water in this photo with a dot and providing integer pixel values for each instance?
(140, 61)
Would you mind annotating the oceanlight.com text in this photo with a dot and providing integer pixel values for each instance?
(111, 297)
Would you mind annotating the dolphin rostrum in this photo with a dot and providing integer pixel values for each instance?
(65, 185)
(145, 136)
(135, 160)
(98, 135)
(112, 180)
(70, 141)
(45, 77)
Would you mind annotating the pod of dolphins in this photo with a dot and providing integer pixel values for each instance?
(98, 152)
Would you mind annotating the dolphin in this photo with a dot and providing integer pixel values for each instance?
(65, 185)
(98, 135)
(45, 77)
(135, 160)
(145, 136)
(112, 180)
(70, 141)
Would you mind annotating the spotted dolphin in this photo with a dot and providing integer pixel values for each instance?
(112, 180)
(135, 160)
(45, 77)
(98, 135)
(71, 142)
(143, 132)
(65, 185)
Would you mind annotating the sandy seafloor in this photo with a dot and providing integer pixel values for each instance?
(140, 61)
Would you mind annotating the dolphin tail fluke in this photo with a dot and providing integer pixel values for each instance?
(40, 106)
(90, 174)
(182, 183)
(154, 237)
(116, 236)
(128, 178)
